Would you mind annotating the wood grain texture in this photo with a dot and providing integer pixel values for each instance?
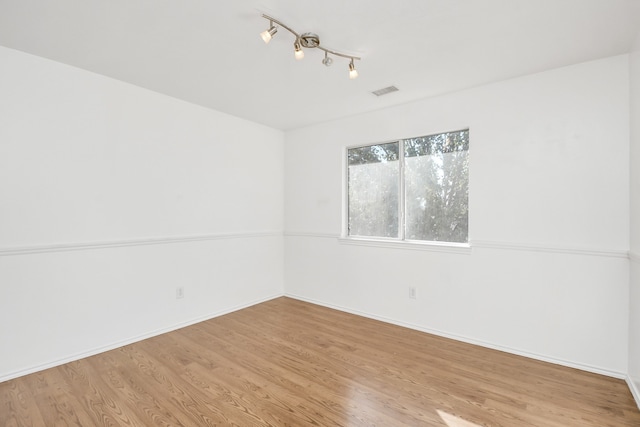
(290, 363)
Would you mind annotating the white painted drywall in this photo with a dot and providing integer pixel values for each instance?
(634, 294)
(549, 217)
(86, 159)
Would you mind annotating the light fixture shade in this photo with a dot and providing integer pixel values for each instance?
(267, 35)
(298, 52)
(327, 60)
(353, 73)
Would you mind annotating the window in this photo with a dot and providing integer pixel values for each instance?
(412, 189)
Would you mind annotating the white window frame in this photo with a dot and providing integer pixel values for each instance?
(392, 242)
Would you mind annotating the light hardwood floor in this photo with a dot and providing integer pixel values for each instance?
(290, 363)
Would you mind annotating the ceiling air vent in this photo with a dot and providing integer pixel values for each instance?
(385, 90)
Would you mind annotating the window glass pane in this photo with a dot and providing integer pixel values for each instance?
(374, 190)
(437, 187)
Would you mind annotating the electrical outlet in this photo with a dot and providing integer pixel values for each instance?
(179, 292)
(412, 292)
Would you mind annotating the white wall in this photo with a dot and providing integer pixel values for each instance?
(111, 197)
(547, 275)
(634, 295)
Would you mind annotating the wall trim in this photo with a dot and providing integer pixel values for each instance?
(562, 362)
(92, 352)
(488, 244)
(635, 392)
(310, 234)
(634, 256)
(482, 244)
(81, 246)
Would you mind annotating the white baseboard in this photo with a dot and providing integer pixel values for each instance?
(468, 340)
(113, 346)
(634, 390)
(11, 375)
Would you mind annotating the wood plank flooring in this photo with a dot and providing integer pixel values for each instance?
(290, 363)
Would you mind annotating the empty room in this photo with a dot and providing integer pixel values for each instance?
(292, 213)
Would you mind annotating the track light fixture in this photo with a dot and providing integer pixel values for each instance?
(353, 73)
(297, 50)
(267, 35)
(307, 40)
(327, 61)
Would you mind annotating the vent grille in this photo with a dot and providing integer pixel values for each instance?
(385, 90)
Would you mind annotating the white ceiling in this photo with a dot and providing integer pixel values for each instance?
(209, 52)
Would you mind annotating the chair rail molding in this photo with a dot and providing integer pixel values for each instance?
(81, 246)
(488, 244)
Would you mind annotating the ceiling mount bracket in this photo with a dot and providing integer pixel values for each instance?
(309, 40)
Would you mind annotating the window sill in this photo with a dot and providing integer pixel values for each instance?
(448, 247)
